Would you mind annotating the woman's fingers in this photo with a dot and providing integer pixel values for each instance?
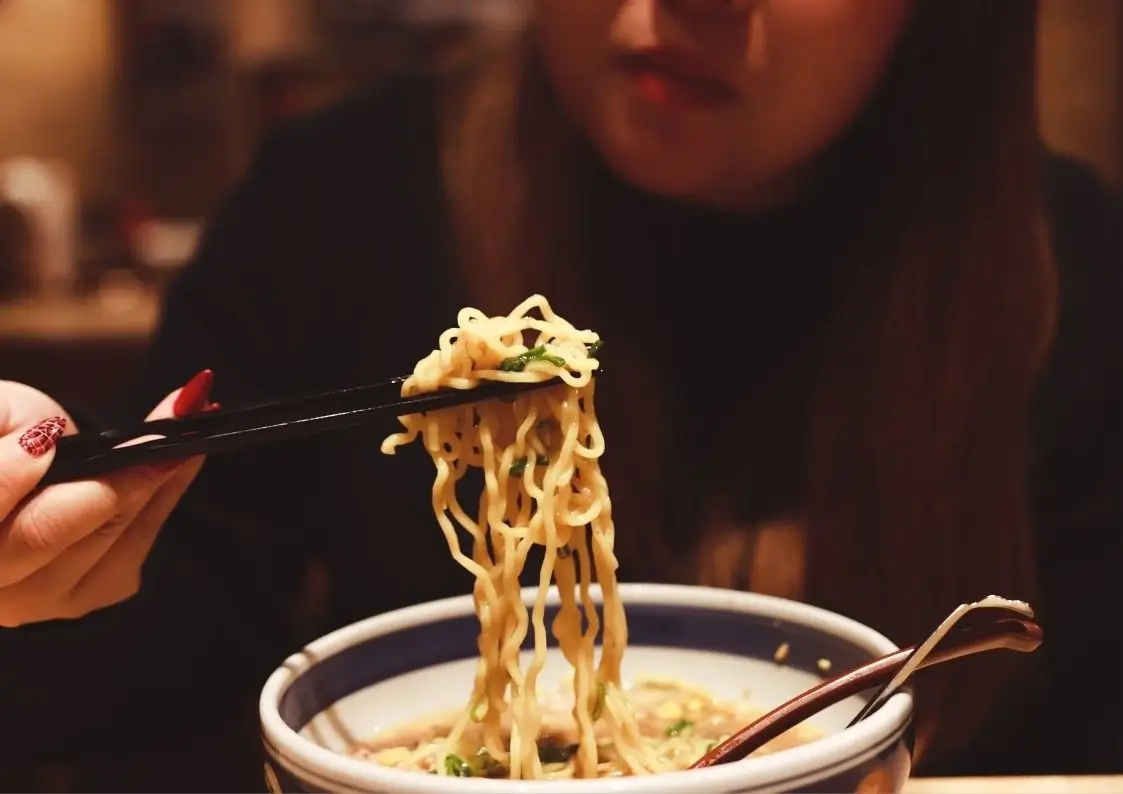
(104, 567)
(55, 519)
(116, 575)
(74, 547)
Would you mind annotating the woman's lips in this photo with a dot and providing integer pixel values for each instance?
(668, 76)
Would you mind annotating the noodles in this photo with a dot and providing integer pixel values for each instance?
(542, 486)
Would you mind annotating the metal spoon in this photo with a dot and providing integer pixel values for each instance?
(994, 623)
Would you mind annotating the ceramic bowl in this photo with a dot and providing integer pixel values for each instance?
(401, 666)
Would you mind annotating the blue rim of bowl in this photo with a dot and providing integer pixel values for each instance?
(325, 659)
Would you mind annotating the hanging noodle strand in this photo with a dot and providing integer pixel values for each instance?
(540, 456)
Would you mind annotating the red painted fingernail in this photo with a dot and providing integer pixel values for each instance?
(195, 396)
(39, 440)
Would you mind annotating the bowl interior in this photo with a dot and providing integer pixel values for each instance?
(394, 702)
(407, 676)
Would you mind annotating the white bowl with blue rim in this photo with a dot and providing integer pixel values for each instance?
(399, 667)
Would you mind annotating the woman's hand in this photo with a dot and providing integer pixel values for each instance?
(75, 547)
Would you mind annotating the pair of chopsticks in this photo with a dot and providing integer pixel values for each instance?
(87, 455)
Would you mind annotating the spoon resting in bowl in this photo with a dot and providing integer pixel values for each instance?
(998, 623)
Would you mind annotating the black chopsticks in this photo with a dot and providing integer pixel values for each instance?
(91, 454)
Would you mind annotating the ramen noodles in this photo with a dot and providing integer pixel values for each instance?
(540, 457)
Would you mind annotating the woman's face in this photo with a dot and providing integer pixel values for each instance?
(719, 101)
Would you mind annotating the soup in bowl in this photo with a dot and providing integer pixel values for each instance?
(378, 706)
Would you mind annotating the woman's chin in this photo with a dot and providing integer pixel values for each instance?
(697, 176)
(670, 169)
(666, 174)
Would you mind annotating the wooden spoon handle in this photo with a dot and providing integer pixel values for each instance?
(1018, 635)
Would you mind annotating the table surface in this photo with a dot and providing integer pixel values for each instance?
(1112, 784)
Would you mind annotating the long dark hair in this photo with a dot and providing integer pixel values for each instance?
(918, 454)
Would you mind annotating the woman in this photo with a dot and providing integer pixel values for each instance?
(864, 345)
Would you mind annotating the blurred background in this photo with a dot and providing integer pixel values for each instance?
(122, 123)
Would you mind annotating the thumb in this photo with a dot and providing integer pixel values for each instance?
(25, 456)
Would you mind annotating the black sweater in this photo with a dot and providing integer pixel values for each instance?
(329, 265)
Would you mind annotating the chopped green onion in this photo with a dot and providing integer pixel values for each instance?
(519, 466)
(594, 348)
(679, 727)
(518, 363)
(478, 711)
(455, 766)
